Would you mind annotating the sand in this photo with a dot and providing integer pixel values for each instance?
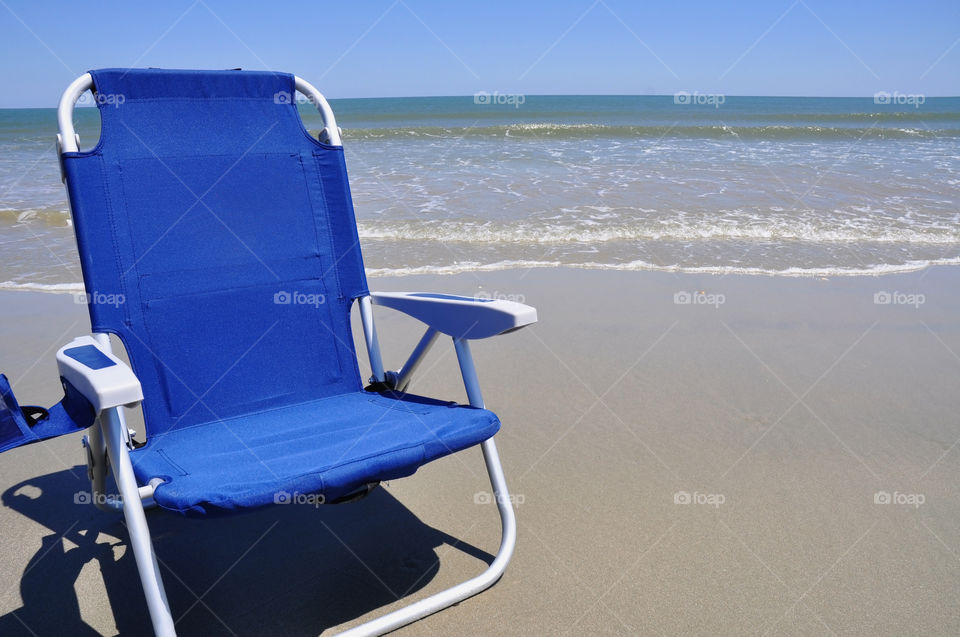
(715, 467)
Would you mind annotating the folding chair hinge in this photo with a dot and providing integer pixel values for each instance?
(391, 378)
(389, 383)
(130, 439)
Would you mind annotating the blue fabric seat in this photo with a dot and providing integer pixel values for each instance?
(226, 234)
(332, 446)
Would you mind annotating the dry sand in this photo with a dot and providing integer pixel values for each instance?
(782, 412)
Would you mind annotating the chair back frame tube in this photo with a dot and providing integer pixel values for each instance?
(68, 137)
(69, 141)
(320, 103)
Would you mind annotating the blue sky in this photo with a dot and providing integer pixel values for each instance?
(428, 47)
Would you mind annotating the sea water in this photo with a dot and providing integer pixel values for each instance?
(757, 185)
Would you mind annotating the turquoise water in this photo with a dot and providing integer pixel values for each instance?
(788, 186)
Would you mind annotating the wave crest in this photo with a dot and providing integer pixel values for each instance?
(706, 131)
(527, 233)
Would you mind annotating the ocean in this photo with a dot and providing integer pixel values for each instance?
(757, 185)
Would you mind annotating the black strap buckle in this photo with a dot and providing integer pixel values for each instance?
(34, 414)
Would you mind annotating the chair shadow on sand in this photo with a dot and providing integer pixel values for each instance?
(295, 570)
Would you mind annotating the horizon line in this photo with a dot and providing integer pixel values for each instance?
(468, 96)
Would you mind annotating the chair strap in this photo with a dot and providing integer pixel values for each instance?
(34, 414)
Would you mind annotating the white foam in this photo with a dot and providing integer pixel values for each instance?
(637, 266)
(588, 231)
(871, 270)
(55, 288)
(632, 266)
(460, 268)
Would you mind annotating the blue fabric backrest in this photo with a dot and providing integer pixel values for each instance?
(218, 241)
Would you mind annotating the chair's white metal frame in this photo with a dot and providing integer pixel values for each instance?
(110, 441)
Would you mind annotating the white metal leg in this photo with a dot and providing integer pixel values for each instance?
(97, 469)
(137, 525)
(462, 591)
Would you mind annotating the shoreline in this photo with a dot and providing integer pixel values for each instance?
(508, 266)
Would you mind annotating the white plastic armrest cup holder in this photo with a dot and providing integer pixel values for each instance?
(461, 317)
(102, 378)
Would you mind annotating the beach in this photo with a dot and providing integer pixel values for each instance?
(687, 454)
(736, 415)
(718, 246)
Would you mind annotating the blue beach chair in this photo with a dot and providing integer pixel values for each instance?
(223, 237)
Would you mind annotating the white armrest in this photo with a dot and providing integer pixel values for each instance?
(460, 316)
(102, 378)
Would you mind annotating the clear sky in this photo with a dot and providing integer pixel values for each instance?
(446, 47)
